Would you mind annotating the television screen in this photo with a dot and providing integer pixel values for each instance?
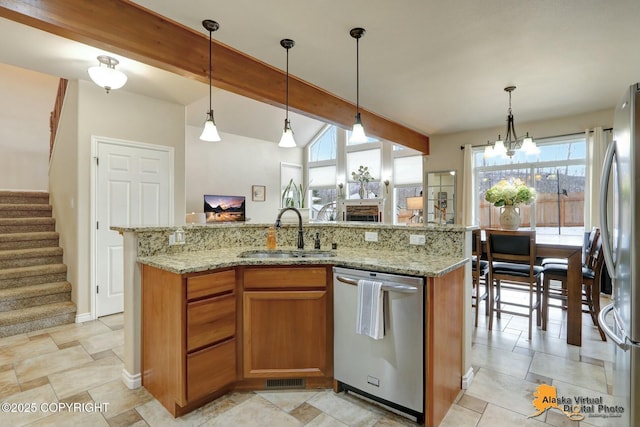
(224, 208)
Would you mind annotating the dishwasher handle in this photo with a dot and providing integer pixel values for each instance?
(386, 286)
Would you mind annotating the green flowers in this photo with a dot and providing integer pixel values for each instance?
(513, 192)
(362, 175)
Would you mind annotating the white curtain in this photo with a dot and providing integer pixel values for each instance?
(597, 141)
(467, 188)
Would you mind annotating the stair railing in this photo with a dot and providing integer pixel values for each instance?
(54, 118)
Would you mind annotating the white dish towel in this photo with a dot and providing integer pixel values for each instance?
(370, 320)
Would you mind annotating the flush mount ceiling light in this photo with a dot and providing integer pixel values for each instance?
(511, 142)
(357, 134)
(107, 77)
(210, 132)
(287, 140)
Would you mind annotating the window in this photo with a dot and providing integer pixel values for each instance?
(331, 159)
(557, 172)
(324, 147)
(371, 159)
(322, 172)
(407, 179)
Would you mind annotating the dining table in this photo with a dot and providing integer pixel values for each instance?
(569, 247)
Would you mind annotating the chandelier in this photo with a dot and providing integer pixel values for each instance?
(511, 142)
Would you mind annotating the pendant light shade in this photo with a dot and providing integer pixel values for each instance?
(210, 132)
(287, 140)
(357, 134)
(105, 74)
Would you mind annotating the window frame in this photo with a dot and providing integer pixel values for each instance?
(529, 166)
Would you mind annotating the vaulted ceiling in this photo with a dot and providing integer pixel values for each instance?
(435, 67)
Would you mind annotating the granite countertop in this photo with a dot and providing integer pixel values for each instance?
(387, 261)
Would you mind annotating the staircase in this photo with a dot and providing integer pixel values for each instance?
(34, 292)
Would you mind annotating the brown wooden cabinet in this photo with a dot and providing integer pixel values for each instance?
(188, 336)
(287, 323)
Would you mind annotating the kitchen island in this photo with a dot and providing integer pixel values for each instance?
(186, 293)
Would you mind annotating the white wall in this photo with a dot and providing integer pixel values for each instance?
(445, 153)
(28, 99)
(119, 115)
(231, 167)
(63, 184)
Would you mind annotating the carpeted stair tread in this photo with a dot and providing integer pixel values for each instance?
(29, 257)
(25, 210)
(39, 235)
(27, 225)
(30, 253)
(35, 290)
(24, 197)
(41, 312)
(33, 275)
(34, 295)
(38, 239)
(34, 270)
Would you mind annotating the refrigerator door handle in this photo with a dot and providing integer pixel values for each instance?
(619, 341)
(604, 220)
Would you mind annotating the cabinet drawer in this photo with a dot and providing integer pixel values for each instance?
(210, 320)
(210, 369)
(210, 284)
(285, 277)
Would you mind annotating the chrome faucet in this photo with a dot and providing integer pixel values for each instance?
(300, 232)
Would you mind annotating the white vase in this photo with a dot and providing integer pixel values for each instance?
(510, 217)
(362, 191)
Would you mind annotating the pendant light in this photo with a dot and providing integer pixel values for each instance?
(107, 77)
(357, 134)
(287, 140)
(210, 132)
(511, 142)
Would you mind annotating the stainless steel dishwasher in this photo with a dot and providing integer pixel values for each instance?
(390, 370)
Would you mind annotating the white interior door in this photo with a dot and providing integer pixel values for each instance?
(133, 187)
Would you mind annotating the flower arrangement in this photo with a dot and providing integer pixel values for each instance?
(512, 192)
(362, 175)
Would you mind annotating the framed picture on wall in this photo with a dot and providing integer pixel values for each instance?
(258, 193)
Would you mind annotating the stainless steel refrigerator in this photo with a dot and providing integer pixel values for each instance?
(620, 226)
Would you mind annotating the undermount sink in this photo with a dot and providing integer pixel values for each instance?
(266, 253)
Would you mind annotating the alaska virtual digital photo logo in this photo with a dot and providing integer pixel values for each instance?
(575, 408)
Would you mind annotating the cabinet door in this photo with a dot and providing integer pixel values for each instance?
(211, 369)
(285, 334)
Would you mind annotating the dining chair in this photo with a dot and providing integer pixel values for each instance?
(587, 247)
(479, 273)
(590, 292)
(511, 255)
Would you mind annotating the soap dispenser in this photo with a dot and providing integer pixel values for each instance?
(271, 238)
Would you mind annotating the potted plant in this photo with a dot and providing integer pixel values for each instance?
(294, 196)
(507, 195)
(363, 177)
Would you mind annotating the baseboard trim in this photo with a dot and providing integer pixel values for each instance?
(131, 381)
(467, 379)
(84, 317)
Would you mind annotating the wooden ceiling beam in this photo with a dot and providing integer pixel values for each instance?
(130, 30)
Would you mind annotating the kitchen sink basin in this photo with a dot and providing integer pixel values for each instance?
(265, 253)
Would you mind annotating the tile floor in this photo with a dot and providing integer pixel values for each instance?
(82, 364)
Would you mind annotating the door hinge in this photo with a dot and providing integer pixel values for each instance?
(97, 289)
(97, 225)
(97, 161)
